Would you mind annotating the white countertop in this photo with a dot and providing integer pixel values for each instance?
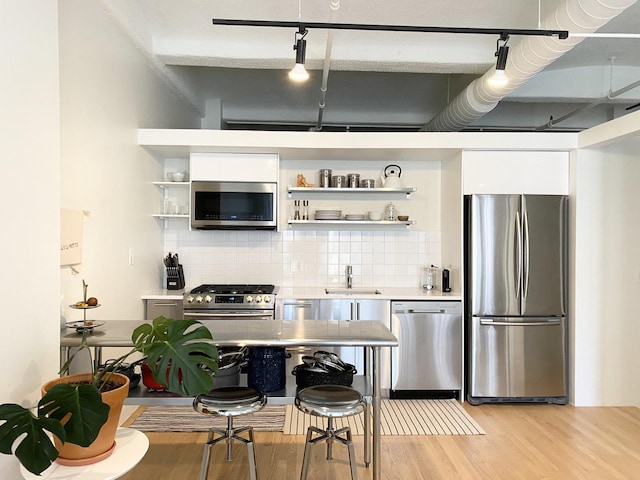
(165, 294)
(386, 293)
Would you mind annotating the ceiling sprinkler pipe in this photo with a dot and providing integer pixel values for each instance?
(610, 96)
(334, 5)
(528, 57)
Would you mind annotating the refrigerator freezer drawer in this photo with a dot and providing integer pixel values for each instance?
(518, 358)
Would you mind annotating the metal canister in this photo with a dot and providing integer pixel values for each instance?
(339, 181)
(325, 178)
(353, 180)
(367, 183)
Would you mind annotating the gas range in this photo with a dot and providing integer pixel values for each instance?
(230, 296)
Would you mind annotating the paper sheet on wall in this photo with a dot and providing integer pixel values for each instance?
(71, 222)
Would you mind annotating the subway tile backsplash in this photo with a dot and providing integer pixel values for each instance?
(305, 258)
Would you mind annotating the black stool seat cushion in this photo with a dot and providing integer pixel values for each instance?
(230, 401)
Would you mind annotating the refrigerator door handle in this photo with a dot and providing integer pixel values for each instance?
(525, 243)
(490, 322)
(518, 253)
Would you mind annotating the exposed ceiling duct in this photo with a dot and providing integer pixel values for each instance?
(527, 58)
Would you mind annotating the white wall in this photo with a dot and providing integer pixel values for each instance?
(606, 311)
(30, 239)
(317, 257)
(108, 91)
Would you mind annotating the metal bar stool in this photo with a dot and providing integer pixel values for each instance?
(329, 401)
(229, 402)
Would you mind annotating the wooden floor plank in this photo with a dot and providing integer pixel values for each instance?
(522, 442)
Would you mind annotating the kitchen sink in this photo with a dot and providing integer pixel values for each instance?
(351, 291)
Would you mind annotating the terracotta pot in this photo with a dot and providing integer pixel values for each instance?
(102, 447)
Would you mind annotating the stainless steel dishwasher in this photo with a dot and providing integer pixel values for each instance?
(428, 360)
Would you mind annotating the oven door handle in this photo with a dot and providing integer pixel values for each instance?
(228, 315)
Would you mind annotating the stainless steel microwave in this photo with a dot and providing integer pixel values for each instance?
(234, 205)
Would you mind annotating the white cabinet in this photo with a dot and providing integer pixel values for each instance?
(234, 167)
(505, 172)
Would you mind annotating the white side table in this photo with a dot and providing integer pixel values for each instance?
(131, 446)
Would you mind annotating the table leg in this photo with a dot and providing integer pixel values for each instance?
(97, 358)
(376, 413)
(65, 353)
(367, 435)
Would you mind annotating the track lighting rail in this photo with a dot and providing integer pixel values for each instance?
(561, 34)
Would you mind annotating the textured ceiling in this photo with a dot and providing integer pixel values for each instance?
(381, 80)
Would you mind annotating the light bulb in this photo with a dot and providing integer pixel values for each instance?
(498, 78)
(299, 73)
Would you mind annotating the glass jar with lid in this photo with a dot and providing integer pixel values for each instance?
(390, 213)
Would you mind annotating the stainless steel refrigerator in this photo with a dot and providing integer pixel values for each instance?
(516, 305)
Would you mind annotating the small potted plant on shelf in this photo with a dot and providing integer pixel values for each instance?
(75, 410)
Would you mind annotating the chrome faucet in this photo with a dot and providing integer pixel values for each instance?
(349, 276)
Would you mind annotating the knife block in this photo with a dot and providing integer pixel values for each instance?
(175, 278)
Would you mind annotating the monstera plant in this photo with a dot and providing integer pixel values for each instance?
(181, 355)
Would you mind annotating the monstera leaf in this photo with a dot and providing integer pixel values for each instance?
(184, 348)
(81, 407)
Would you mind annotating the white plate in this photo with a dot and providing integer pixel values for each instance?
(82, 325)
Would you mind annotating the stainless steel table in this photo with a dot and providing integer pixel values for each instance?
(273, 333)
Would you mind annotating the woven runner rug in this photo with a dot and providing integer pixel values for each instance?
(169, 418)
(398, 417)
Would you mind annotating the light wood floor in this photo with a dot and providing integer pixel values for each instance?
(521, 442)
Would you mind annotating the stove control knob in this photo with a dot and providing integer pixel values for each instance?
(258, 298)
(208, 298)
(249, 298)
(267, 299)
(199, 299)
(190, 299)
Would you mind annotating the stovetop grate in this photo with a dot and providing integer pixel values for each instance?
(234, 289)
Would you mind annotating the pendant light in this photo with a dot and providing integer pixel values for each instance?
(502, 51)
(299, 73)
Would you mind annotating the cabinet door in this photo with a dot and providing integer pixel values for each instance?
(375, 311)
(337, 309)
(165, 308)
(297, 309)
(359, 310)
